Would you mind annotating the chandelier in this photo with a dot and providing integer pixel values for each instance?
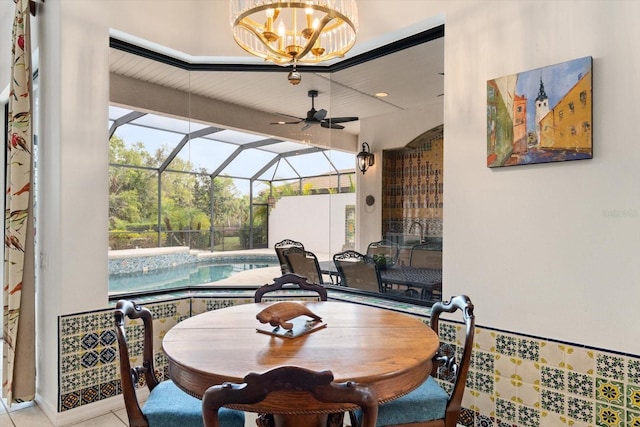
(290, 32)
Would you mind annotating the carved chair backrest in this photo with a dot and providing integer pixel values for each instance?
(445, 365)
(320, 385)
(304, 263)
(130, 376)
(280, 248)
(294, 279)
(358, 271)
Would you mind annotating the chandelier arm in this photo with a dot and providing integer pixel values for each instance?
(276, 53)
(343, 19)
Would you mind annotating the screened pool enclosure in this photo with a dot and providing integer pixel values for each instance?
(175, 182)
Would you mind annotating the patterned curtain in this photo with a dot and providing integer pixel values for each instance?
(18, 371)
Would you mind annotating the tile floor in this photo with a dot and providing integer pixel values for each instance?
(30, 415)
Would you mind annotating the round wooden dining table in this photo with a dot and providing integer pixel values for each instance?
(388, 350)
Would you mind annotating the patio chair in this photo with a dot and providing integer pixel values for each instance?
(280, 248)
(389, 249)
(167, 405)
(425, 256)
(430, 405)
(290, 279)
(304, 263)
(358, 271)
(319, 385)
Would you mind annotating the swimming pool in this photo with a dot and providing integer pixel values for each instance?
(180, 276)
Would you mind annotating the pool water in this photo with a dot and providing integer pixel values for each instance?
(179, 276)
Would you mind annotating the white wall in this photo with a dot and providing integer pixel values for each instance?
(306, 219)
(548, 250)
(73, 202)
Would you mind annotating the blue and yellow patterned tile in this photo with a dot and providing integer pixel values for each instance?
(448, 332)
(610, 416)
(482, 361)
(70, 401)
(633, 397)
(529, 395)
(580, 359)
(610, 392)
(552, 354)
(484, 340)
(633, 371)
(580, 409)
(484, 382)
(528, 371)
(505, 366)
(483, 403)
(610, 366)
(552, 401)
(506, 345)
(528, 416)
(506, 410)
(552, 419)
(529, 349)
(483, 421)
(633, 418)
(506, 388)
(581, 384)
(553, 378)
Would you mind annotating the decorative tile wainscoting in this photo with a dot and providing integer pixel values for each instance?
(514, 380)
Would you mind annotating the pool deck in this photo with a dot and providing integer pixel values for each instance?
(258, 276)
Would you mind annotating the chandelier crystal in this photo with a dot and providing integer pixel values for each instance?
(286, 32)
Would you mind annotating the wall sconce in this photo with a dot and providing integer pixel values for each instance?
(365, 158)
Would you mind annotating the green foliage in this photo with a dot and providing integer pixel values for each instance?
(185, 198)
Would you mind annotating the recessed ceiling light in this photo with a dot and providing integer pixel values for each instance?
(382, 94)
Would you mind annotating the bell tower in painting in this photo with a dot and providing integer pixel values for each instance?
(542, 109)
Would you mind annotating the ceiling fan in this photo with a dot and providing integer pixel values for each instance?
(317, 117)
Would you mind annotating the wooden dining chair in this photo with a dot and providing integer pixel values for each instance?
(319, 385)
(430, 405)
(280, 248)
(167, 405)
(290, 279)
(304, 263)
(358, 271)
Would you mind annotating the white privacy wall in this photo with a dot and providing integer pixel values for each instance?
(549, 250)
(306, 219)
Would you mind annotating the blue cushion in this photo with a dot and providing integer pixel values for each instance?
(168, 406)
(427, 402)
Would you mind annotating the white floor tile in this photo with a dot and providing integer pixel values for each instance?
(108, 420)
(30, 416)
(5, 421)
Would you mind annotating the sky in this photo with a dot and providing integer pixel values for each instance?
(209, 154)
(557, 80)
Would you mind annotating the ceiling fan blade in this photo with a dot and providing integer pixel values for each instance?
(289, 115)
(307, 126)
(286, 123)
(320, 115)
(341, 119)
(331, 125)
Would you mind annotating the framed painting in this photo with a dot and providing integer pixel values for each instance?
(540, 116)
